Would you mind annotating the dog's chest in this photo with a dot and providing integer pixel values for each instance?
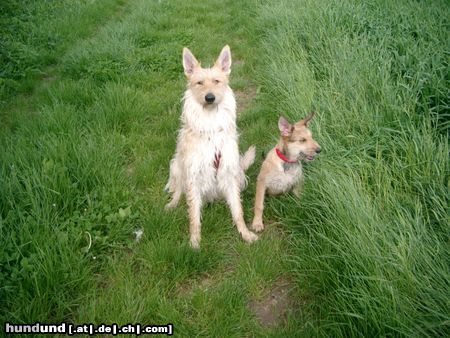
(283, 178)
(218, 152)
(208, 139)
(207, 147)
(211, 163)
(209, 155)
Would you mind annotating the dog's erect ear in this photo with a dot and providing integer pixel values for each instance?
(189, 62)
(306, 120)
(224, 60)
(284, 126)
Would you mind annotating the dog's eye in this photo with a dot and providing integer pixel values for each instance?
(216, 81)
(302, 140)
(200, 83)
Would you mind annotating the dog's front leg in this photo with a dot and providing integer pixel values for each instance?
(194, 202)
(232, 196)
(257, 223)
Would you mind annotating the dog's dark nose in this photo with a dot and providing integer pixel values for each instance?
(318, 150)
(210, 97)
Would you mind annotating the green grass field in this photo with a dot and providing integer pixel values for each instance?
(89, 106)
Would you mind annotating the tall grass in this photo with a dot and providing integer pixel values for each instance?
(371, 231)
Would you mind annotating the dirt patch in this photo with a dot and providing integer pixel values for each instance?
(273, 308)
(49, 78)
(130, 170)
(244, 98)
(50, 75)
(205, 283)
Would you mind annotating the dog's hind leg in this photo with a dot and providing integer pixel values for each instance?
(175, 199)
(233, 199)
(194, 202)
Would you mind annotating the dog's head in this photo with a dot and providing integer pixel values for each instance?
(297, 139)
(208, 85)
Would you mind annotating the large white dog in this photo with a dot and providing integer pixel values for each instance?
(207, 165)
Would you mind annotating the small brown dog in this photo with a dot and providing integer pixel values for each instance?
(282, 169)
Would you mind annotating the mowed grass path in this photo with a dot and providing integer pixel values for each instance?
(90, 124)
(90, 167)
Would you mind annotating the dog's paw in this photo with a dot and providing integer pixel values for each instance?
(195, 242)
(249, 236)
(171, 205)
(258, 226)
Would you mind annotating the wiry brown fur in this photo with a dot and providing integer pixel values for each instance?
(277, 176)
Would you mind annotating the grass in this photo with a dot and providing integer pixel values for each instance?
(36, 33)
(371, 231)
(90, 126)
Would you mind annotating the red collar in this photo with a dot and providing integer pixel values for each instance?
(284, 158)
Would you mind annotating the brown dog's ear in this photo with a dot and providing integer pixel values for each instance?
(306, 120)
(189, 62)
(224, 60)
(284, 126)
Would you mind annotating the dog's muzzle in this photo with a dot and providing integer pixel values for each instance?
(210, 98)
(307, 157)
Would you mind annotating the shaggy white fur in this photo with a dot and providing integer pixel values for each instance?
(206, 165)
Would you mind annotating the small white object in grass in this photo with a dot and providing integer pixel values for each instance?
(138, 233)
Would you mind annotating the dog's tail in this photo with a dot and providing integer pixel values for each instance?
(248, 158)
